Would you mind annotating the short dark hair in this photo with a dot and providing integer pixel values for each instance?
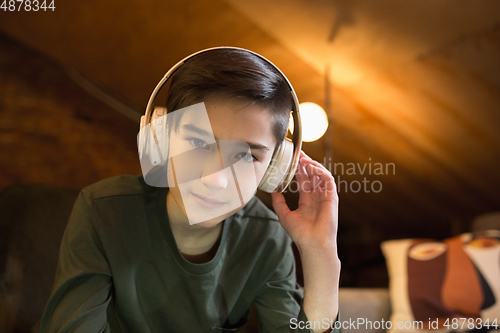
(233, 73)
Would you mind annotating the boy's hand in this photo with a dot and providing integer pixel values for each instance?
(314, 222)
(313, 228)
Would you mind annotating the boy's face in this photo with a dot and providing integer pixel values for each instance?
(218, 162)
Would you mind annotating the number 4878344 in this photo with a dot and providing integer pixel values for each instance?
(27, 5)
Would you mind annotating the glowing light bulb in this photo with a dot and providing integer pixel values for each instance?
(314, 121)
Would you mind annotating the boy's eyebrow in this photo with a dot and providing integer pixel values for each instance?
(257, 146)
(198, 130)
(193, 128)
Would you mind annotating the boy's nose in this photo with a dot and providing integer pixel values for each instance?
(217, 180)
(214, 175)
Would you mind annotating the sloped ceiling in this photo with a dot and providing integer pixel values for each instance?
(357, 37)
(414, 84)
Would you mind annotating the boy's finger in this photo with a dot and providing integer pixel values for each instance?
(301, 174)
(317, 164)
(279, 204)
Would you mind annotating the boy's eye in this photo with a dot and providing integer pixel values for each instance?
(197, 143)
(247, 157)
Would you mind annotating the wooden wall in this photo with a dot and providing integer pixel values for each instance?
(52, 131)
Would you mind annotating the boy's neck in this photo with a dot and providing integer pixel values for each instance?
(190, 239)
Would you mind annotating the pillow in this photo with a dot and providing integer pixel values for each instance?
(444, 286)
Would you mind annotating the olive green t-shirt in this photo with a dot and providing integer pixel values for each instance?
(120, 270)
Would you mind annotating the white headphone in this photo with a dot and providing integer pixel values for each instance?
(283, 164)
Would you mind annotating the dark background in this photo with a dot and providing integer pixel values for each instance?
(416, 85)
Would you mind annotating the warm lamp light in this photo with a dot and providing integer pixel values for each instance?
(314, 121)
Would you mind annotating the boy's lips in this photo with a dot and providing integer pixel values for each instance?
(206, 201)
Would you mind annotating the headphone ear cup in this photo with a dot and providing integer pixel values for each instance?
(157, 144)
(153, 144)
(278, 169)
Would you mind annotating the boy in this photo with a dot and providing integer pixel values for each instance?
(194, 256)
